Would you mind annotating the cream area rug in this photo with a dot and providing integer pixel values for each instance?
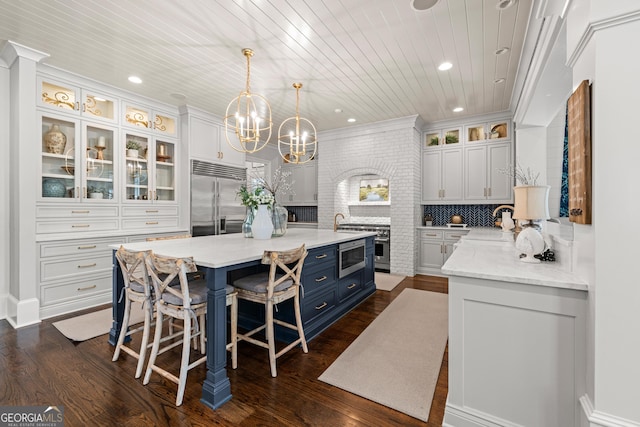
(396, 360)
(91, 325)
(386, 282)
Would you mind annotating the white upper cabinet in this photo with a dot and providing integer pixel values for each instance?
(484, 148)
(442, 176)
(206, 141)
(305, 184)
(485, 179)
(147, 118)
(493, 131)
(442, 137)
(72, 99)
(150, 168)
(77, 160)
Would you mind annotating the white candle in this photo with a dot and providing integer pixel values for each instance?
(101, 142)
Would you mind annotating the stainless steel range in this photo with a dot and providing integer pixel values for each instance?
(382, 240)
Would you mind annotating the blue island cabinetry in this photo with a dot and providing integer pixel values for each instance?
(325, 297)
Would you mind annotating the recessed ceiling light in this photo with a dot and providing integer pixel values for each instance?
(504, 4)
(421, 5)
(500, 80)
(135, 79)
(502, 50)
(337, 110)
(445, 66)
(351, 120)
(458, 109)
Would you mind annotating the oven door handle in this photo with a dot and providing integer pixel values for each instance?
(381, 240)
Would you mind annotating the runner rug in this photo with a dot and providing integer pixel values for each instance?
(397, 359)
(91, 325)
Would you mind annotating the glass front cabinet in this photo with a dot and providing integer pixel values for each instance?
(146, 118)
(76, 160)
(72, 99)
(150, 173)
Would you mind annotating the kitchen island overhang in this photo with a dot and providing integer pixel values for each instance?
(327, 296)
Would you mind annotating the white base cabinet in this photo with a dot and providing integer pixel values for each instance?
(435, 247)
(76, 274)
(516, 354)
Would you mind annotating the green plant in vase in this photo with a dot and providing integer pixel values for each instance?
(451, 139)
(132, 148)
(434, 141)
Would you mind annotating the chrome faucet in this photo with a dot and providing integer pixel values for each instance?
(335, 221)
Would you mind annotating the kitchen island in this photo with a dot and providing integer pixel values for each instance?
(224, 258)
(516, 337)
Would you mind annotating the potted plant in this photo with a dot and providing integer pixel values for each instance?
(96, 192)
(132, 148)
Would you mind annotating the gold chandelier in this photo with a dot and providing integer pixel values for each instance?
(297, 141)
(247, 121)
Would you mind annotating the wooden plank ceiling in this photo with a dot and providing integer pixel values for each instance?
(373, 59)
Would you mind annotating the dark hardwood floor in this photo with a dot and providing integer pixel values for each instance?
(39, 366)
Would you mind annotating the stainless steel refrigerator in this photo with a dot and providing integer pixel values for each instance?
(215, 209)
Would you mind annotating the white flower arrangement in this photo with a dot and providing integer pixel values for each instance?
(521, 176)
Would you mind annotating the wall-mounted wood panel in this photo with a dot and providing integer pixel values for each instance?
(579, 117)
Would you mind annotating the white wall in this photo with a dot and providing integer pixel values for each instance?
(531, 151)
(607, 256)
(4, 189)
(389, 149)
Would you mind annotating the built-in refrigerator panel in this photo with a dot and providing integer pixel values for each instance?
(215, 209)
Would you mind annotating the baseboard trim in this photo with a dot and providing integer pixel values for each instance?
(20, 313)
(602, 419)
(455, 416)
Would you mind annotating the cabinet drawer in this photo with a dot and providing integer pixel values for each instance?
(349, 285)
(318, 305)
(64, 269)
(50, 294)
(77, 226)
(150, 211)
(318, 276)
(76, 212)
(149, 223)
(318, 255)
(454, 235)
(79, 247)
(431, 234)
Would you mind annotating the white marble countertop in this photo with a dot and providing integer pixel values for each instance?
(496, 259)
(230, 249)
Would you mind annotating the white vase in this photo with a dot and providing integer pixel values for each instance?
(507, 222)
(262, 226)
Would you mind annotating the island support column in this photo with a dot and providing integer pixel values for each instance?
(216, 389)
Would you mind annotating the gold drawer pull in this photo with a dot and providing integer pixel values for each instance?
(321, 306)
(351, 286)
(87, 247)
(321, 279)
(81, 226)
(87, 288)
(88, 265)
(321, 256)
(152, 222)
(456, 235)
(87, 211)
(431, 235)
(151, 211)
